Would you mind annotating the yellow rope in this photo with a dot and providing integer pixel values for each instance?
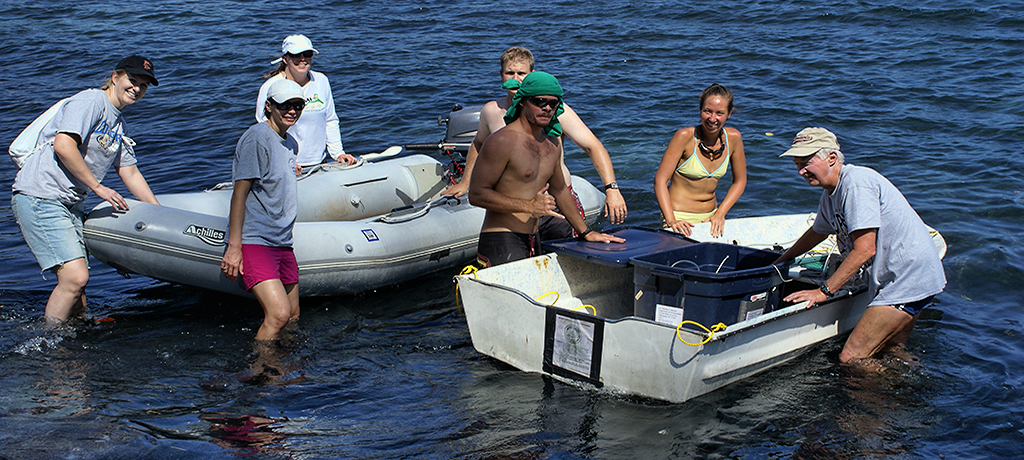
(465, 271)
(591, 307)
(711, 332)
(545, 295)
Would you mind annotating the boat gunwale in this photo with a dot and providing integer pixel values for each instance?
(729, 331)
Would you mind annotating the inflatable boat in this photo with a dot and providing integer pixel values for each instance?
(358, 228)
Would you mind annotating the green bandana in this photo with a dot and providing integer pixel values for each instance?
(536, 84)
(512, 84)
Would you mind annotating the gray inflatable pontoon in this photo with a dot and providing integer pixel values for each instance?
(358, 228)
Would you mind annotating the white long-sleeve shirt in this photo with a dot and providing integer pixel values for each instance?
(318, 126)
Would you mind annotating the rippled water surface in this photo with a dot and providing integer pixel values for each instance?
(928, 93)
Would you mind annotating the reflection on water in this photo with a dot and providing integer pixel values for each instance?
(248, 434)
(63, 385)
(273, 365)
(887, 407)
(273, 360)
(57, 381)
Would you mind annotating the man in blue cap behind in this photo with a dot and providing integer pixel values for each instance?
(515, 176)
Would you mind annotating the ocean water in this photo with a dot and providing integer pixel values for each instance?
(928, 93)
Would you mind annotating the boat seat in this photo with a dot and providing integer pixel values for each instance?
(607, 289)
(535, 277)
(429, 177)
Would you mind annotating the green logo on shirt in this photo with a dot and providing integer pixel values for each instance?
(314, 102)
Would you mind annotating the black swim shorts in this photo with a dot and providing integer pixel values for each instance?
(496, 248)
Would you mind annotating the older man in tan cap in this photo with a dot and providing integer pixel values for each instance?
(878, 232)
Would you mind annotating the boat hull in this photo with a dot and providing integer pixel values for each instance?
(573, 318)
(183, 240)
(632, 355)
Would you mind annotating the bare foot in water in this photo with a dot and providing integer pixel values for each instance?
(900, 352)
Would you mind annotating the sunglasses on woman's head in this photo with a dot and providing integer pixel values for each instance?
(305, 54)
(286, 106)
(542, 102)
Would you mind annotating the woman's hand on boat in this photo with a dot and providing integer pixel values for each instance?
(717, 225)
(347, 159)
(814, 296)
(231, 263)
(681, 226)
(110, 196)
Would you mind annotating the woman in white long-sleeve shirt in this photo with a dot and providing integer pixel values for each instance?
(317, 130)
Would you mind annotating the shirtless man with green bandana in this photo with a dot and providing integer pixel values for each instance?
(516, 63)
(516, 177)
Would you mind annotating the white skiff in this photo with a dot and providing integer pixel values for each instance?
(573, 317)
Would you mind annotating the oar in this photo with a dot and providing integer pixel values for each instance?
(363, 159)
(387, 153)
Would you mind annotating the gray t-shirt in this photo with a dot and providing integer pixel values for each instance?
(906, 266)
(90, 115)
(272, 203)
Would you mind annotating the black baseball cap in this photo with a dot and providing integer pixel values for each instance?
(138, 65)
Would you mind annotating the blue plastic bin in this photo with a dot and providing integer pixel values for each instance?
(639, 241)
(710, 282)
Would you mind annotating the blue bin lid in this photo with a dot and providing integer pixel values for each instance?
(639, 241)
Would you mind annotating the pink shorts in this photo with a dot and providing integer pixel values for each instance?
(261, 263)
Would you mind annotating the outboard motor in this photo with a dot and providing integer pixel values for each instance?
(461, 124)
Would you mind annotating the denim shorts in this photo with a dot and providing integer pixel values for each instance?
(52, 229)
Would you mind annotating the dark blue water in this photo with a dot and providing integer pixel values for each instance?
(928, 93)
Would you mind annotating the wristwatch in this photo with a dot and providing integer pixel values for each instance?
(611, 185)
(825, 290)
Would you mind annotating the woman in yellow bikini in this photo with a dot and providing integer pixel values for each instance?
(696, 158)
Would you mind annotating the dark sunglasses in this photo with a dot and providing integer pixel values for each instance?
(305, 54)
(286, 106)
(541, 102)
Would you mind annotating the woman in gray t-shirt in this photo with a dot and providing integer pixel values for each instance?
(74, 151)
(264, 205)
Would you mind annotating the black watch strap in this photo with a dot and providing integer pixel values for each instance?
(612, 184)
(825, 290)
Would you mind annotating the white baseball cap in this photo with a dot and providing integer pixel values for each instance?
(295, 44)
(284, 90)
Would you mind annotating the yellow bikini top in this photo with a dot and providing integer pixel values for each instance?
(694, 169)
